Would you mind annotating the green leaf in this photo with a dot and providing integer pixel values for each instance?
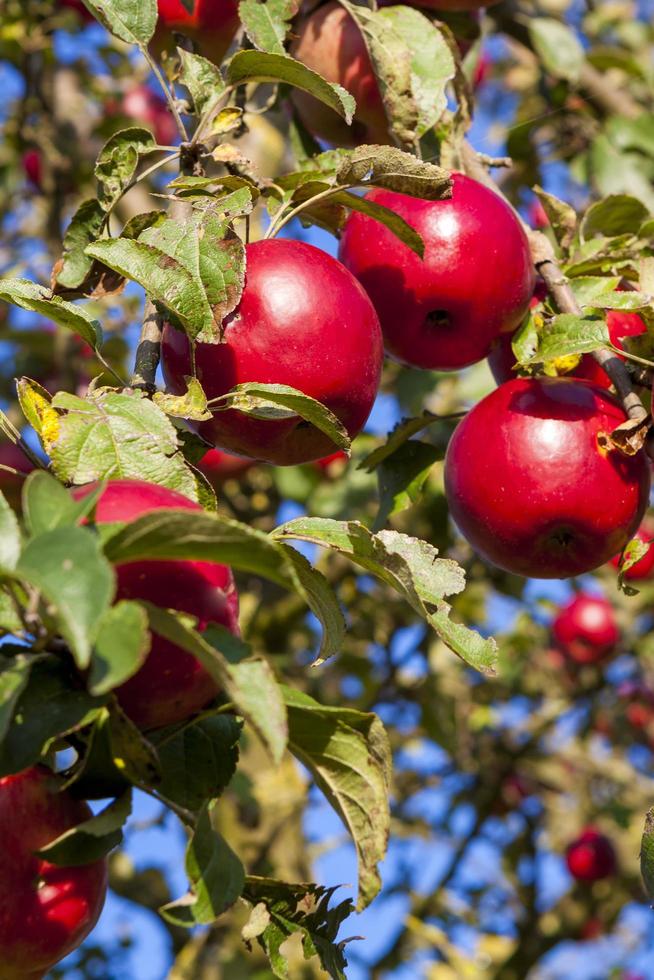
(557, 46)
(248, 681)
(199, 761)
(615, 172)
(259, 66)
(570, 334)
(121, 645)
(191, 405)
(349, 756)
(391, 59)
(403, 432)
(174, 534)
(215, 874)
(132, 754)
(50, 705)
(132, 21)
(194, 268)
(432, 63)
(647, 854)
(281, 909)
(562, 217)
(201, 78)
(266, 22)
(118, 434)
(67, 566)
(47, 504)
(117, 162)
(323, 604)
(400, 228)
(600, 292)
(14, 675)
(91, 840)
(402, 477)
(37, 299)
(84, 227)
(617, 214)
(9, 537)
(386, 166)
(410, 567)
(271, 401)
(633, 552)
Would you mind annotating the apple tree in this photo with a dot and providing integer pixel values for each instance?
(325, 469)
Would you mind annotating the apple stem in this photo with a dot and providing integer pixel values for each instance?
(544, 259)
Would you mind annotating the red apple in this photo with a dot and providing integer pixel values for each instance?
(212, 25)
(531, 488)
(330, 42)
(302, 321)
(501, 359)
(218, 466)
(644, 566)
(46, 910)
(11, 484)
(171, 685)
(585, 630)
(33, 167)
(476, 279)
(333, 464)
(144, 106)
(591, 856)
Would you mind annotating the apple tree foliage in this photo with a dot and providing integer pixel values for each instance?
(111, 216)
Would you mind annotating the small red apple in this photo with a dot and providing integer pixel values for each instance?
(537, 215)
(143, 105)
(644, 567)
(530, 486)
(333, 464)
(585, 630)
(33, 167)
(212, 25)
(303, 321)
(476, 279)
(330, 42)
(591, 856)
(11, 484)
(46, 910)
(171, 685)
(501, 359)
(218, 466)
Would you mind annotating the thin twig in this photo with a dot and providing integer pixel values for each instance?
(148, 352)
(170, 98)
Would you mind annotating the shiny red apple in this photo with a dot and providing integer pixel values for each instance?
(211, 26)
(475, 282)
(171, 685)
(330, 42)
(303, 321)
(530, 486)
(585, 630)
(46, 910)
(144, 106)
(501, 359)
(591, 856)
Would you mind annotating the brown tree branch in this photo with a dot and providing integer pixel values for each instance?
(148, 352)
